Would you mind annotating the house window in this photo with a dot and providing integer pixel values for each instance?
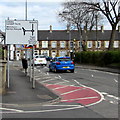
(71, 44)
(45, 52)
(80, 44)
(116, 44)
(98, 44)
(106, 44)
(44, 44)
(62, 44)
(62, 53)
(54, 44)
(89, 44)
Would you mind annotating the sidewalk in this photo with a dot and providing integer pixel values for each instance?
(21, 91)
(106, 69)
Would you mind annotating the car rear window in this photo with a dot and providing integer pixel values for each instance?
(40, 57)
(64, 59)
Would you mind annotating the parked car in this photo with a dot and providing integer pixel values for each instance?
(61, 64)
(40, 60)
(48, 58)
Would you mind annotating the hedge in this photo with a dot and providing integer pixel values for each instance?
(101, 58)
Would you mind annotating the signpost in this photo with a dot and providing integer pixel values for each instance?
(21, 32)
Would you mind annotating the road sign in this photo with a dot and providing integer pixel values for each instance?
(21, 32)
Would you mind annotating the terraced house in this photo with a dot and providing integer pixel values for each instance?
(64, 42)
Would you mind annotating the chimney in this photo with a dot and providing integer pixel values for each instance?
(85, 29)
(119, 28)
(68, 28)
(50, 28)
(102, 29)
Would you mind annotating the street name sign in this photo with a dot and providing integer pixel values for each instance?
(21, 31)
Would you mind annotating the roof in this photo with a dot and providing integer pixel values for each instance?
(64, 35)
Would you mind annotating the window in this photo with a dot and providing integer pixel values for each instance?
(106, 44)
(71, 44)
(116, 44)
(62, 53)
(44, 44)
(98, 44)
(54, 44)
(45, 52)
(89, 44)
(80, 44)
(62, 44)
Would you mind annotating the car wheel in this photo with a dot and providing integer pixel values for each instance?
(72, 71)
(55, 70)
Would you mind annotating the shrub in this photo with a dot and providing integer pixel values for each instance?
(101, 58)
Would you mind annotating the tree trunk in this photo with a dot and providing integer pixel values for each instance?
(112, 38)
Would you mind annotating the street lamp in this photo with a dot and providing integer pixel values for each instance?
(74, 45)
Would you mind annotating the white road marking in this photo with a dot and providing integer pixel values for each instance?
(115, 80)
(47, 80)
(43, 78)
(104, 93)
(79, 83)
(102, 97)
(59, 76)
(72, 91)
(47, 73)
(92, 75)
(60, 87)
(60, 105)
(81, 98)
(11, 109)
(102, 72)
(61, 82)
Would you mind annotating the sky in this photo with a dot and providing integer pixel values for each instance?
(45, 11)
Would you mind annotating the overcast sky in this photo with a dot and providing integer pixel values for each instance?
(45, 11)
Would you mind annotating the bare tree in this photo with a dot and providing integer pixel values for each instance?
(109, 9)
(78, 16)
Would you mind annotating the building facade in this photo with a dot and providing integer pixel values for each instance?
(63, 42)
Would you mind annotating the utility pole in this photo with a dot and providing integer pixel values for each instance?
(96, 17)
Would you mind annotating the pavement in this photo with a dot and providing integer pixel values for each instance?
(21, 91)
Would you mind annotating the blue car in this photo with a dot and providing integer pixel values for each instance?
(61, 64)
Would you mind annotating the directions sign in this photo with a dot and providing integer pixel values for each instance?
(21, 32)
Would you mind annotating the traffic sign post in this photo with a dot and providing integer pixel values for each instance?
(21, 32)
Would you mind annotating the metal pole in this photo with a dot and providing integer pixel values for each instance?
(30, 66)
(26, 10)
(8, 75)
(33, 79)
(96, 32)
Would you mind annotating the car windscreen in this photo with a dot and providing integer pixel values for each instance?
(64, 59)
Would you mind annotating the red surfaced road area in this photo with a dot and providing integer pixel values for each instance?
(82, 95)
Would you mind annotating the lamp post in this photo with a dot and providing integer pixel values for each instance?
(74, 44)
(96, 17)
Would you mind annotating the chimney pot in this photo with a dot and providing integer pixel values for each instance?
(102, 29)
(50, 28)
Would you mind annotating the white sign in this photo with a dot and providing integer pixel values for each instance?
(21, 32)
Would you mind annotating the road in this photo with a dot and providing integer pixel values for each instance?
(84, 94)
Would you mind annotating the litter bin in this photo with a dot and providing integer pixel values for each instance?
(25, 65)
